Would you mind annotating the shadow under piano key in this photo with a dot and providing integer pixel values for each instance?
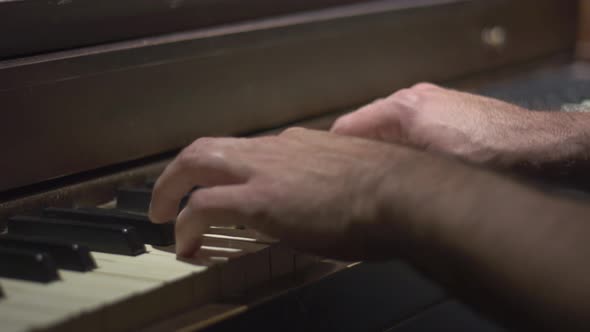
(150, 233)
(68, 256)
(31, 265)
(123, 240)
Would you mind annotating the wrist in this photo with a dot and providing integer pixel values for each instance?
(420, 193)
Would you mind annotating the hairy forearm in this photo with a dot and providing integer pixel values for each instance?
(555, 148)
(514, 251)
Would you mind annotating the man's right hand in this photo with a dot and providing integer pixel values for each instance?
(474, 128)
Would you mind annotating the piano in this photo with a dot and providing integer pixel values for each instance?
(98, 96)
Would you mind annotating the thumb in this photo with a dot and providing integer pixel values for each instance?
(378, 120)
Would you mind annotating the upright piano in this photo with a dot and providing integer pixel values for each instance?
(97, 97)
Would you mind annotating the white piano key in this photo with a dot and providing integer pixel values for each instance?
(25, 318)
(239, 234)
(75, 294)
(36, 304)
(10, 323)
(229, 237)
(282, 259)
(245, 268)
(177, 282)
(147, 266)
(142, 281)
(221, 249)
(109, 287)
(126, 292)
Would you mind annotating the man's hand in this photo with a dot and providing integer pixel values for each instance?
(475, 128)
(314, 190)
(524, 253)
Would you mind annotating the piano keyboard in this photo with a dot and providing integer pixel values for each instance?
(99, 269)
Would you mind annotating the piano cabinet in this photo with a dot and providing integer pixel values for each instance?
(94, 111)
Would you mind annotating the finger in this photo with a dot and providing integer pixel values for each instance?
(308, 136)
(216, 206)
(364, 122)
(189, 232)
(205, 163)
(380, 121)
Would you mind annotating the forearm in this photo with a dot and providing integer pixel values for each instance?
(555, 147)
(498, 244)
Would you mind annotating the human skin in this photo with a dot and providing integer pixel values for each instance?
(514, 251)
(474, 128)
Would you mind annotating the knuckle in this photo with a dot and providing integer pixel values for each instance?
(293, 131)
(196, 153)
(424, 86)
(402, 93)
(258, 204)
(186, 159)
(406, 97)
(202, 144)
(342, 125)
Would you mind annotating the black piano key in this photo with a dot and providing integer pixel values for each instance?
(1, 292)
(114, 239)
(67, 256)
(27, 265)
(134, 198)
(150, 233)
(138, 199)
(150, 183)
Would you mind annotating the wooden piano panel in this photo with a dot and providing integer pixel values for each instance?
(78, 110)
(84, 109)
(34, 27)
